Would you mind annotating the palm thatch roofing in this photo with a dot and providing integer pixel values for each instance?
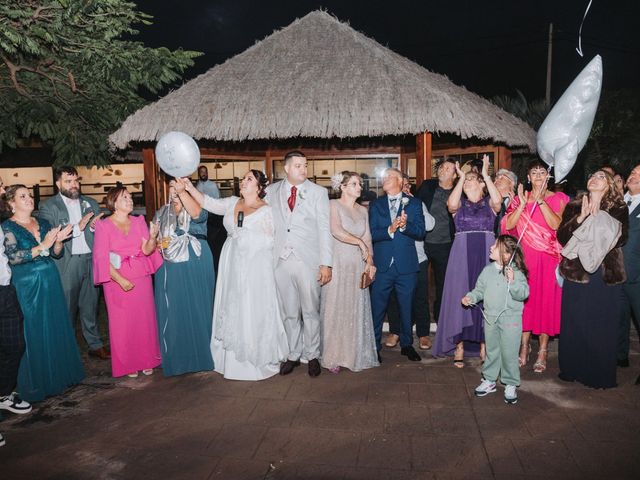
(320, 78)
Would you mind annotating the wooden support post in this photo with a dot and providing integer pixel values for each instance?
(155, 184)
(503, 159)
(268, 165)
(423, 157)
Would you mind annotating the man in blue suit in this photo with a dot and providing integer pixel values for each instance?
(396, 222)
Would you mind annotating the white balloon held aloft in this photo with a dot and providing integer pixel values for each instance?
(177, 154)
(566, 129)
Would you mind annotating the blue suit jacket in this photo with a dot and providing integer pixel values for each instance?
(401, 248)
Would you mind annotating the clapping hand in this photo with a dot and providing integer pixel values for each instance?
(154, 229)
(50, 237)
(589, 207)
(522, 196)
(63, 233)
(82, 224)
(92, 225)
(459, 171)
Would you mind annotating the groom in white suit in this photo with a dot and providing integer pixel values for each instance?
(303, 258)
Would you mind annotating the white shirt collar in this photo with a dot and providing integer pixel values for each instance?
(394, 197)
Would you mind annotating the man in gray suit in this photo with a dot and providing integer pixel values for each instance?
(69, 206)
(303, 251)
(631, 250)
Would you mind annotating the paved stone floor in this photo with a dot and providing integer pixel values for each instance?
(400, 421)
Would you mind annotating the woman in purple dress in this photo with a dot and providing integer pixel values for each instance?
(459, 328)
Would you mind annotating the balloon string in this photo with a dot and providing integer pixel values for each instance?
(579, 49)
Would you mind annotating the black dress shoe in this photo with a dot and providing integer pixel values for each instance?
(379, 358)
(410, 353)
(287, 367)
(624, 362)
(314, 368)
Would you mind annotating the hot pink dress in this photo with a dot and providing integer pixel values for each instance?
(133, 329)
(541, 255)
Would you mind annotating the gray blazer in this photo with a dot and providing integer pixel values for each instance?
(55, 211)
(306, 229)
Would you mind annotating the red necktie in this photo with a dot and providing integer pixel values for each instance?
(292, 198)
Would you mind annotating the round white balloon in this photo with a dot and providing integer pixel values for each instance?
(177, 154)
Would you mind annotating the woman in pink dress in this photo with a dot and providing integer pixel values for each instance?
(124, 258)
(538, 214)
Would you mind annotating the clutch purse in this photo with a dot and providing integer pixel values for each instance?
(365, 280)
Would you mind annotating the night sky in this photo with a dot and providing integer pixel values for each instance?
(492, 47)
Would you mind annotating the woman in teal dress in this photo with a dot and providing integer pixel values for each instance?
(184, 287)
(51, 361)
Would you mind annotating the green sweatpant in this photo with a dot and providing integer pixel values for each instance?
(502, 343)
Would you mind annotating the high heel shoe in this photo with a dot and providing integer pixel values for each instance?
(525, 352)
(458, 357)
(541, 364)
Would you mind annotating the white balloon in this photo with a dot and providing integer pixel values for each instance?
(177, 154)
(566, 129)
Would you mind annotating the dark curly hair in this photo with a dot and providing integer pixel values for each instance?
(261, 178)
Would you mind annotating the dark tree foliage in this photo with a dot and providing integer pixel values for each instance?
(70, 73)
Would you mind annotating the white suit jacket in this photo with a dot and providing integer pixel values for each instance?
(305, 231)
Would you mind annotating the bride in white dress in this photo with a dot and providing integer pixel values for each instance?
(248, 340)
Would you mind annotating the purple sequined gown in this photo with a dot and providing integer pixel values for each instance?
(469, 255)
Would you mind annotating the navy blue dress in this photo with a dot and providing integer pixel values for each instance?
(51, 361)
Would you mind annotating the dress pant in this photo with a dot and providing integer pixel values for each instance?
(502, 340)
(299, 291)
(381, 289)
(81, 296)
(420, 316)
(629, 304)
(12, 342)
(438, 256)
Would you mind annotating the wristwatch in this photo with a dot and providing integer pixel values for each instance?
(540, 202)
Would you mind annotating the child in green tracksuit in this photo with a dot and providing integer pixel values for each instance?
(503, 288)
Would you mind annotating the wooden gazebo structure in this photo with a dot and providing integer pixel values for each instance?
(320, 86)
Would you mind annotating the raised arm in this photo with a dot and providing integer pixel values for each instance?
(453, 202)
(494, 195)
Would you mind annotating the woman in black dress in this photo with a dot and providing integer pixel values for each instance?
(591, 291)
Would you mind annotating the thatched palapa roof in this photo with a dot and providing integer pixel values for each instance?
(320, 78)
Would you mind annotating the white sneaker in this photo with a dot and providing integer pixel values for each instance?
(14, 404)
(485, 388)
(510, 395)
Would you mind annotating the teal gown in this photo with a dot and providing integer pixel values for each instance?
(51, 361)
(184, 306)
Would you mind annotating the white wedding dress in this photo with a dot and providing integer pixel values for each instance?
(248, 340)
